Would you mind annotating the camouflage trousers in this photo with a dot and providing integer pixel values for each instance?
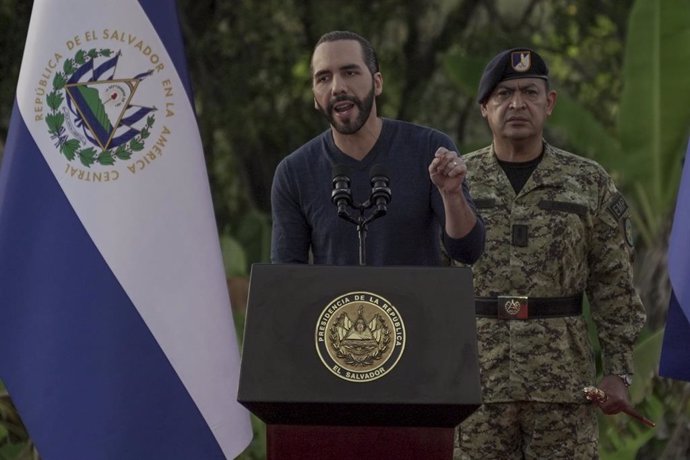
(528, 430)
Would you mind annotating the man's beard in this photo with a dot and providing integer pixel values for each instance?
(363, 108)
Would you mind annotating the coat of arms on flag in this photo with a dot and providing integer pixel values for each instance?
(93, 114)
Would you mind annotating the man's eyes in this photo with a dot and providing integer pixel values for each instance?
(327, 77)
(504, 93)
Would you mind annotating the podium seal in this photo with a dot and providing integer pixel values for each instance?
(360, 336)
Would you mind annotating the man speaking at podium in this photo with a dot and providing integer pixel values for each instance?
(429, 205)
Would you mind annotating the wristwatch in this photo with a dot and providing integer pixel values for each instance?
(626, 378)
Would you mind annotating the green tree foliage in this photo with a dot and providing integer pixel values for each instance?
(654, 120)
(14, 21)
(14, 442)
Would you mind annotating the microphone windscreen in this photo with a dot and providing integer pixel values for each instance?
(340, 169)
(377, 171)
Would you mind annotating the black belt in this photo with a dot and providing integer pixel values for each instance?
(523, 307)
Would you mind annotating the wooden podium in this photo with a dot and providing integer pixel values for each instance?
(360, 362)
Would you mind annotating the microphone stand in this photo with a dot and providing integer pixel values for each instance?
(362, 221)
(362, 235)
(379, 198)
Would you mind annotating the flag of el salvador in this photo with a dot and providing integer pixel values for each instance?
(116, 334)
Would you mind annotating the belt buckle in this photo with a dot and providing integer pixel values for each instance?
(512, 307)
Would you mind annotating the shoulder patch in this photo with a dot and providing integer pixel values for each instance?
(618, 206)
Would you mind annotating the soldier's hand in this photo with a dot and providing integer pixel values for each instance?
(616, 395)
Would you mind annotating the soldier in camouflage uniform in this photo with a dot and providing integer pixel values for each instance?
(556, 228)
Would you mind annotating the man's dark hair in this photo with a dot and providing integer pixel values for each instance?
(368, 53)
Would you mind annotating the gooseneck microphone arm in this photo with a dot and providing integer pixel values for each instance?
(380, 197)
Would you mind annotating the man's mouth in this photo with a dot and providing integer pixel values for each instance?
(517, 120)
(343, 107)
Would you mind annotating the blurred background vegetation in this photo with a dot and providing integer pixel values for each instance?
(620, 66)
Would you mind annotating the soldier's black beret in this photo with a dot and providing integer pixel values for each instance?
(509, 64)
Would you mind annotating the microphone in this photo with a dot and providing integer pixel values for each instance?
(380, 190)
(341, 196)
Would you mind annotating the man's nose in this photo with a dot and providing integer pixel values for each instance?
(338, 85)
(517, 100)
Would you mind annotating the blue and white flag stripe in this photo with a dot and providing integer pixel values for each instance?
(675, 352)
(117, 334)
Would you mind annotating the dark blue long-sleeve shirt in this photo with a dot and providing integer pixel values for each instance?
(304, 218)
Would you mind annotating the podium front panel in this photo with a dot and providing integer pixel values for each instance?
(329, 345)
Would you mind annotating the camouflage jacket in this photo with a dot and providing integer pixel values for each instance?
(578, 240)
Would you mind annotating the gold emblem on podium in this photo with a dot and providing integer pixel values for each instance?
(360, 336)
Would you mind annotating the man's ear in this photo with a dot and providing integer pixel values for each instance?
(378, 83)
(482, 109)
(551, 101)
